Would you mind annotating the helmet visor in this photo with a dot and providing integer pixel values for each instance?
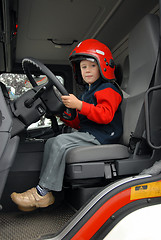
(81, 58)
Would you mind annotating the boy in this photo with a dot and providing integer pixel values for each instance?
(98, 120)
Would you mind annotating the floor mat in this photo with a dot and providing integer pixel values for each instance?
(30, 226)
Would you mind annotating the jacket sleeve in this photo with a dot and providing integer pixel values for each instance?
(73, 123)
(108, 101)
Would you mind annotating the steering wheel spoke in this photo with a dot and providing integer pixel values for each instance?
(49, 97)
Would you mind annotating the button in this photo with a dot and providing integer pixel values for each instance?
(40, 109)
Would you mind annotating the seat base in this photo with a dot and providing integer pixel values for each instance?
(79, 196)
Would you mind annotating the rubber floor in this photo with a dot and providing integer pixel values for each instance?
(30, 226)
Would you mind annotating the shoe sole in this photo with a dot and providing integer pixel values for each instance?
(26, 209)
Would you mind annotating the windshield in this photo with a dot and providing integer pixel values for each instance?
(17, 84)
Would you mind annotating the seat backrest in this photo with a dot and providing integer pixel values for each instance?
(143, 54)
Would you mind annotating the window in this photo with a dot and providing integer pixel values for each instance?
(17, 84)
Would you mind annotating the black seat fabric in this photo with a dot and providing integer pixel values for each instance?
(115, 158)
(103, 152)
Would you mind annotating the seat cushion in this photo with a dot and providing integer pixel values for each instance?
(97, 153)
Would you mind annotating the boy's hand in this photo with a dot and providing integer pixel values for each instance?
(72, 102)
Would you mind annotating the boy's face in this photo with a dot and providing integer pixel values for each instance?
(90, 71)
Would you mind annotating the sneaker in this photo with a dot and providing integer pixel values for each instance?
(30, 200)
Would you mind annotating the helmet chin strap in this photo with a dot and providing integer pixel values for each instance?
(117, 85)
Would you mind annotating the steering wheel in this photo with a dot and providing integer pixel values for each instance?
(52, 91)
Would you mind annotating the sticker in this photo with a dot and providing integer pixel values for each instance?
(100, 52)
(147, 190)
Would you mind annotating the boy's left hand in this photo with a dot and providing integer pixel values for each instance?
(72, 101)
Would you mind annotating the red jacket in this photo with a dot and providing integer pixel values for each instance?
(100, 114)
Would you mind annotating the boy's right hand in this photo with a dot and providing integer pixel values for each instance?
(72, 101)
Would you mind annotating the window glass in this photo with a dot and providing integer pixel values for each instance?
(17, 84)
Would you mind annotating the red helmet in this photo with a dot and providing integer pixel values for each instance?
(92, 48)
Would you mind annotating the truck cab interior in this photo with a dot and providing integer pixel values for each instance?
(36, 38)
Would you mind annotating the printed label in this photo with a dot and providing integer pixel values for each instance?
(147, 190)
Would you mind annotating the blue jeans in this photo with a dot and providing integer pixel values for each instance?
(53, 165)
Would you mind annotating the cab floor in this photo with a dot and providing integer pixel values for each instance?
(30, 226)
